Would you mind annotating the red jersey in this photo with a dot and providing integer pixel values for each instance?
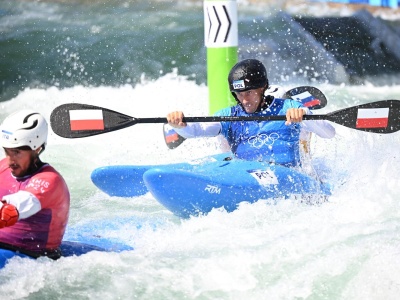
(43, 202)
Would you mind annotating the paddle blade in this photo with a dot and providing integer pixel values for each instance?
(171, 137)
(309, 96)
(74, 120)
(378, 117)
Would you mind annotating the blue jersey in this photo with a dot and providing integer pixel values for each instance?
(270, 141)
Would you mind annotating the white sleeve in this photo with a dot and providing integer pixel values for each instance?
(321, 128)
(193, 130)
(26, 203)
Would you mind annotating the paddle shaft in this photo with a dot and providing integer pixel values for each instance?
(230, 119)
(378, 117)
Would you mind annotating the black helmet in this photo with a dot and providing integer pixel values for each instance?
(246, 75)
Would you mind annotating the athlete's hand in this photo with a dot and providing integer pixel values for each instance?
(294, 115)
(175, 119)
(8, 215)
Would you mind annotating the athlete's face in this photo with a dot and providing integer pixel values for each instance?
(19, 160)
(250, 99)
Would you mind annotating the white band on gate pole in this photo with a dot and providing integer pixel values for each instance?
(221, 40)
(220, 24)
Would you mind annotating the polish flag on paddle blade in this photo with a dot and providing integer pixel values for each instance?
(86, 119)
(307, 99)
(372, 117)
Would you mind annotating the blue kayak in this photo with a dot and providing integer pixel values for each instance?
(127, 180)
(67, 248)
(193, 188)
(78, 241)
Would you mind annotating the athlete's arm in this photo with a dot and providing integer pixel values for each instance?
(192, 130)
(321, 128)
(25, 202)
(20, 205)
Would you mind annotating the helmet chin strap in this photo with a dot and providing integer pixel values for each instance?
(40, 150)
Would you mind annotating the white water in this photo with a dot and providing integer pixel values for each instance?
(347, 248)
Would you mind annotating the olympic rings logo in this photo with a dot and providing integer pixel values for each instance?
(263, 139)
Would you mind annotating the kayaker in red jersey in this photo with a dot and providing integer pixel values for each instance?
(35, 199)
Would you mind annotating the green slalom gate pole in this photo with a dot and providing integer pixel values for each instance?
(221, 40)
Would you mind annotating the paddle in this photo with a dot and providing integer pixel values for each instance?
(309, 96)
(74, 120)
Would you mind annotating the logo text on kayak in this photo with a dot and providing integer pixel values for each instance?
(212, 189)
(264, 177)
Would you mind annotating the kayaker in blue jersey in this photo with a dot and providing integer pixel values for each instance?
(271, 141)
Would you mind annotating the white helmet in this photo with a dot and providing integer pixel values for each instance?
(24, 128)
